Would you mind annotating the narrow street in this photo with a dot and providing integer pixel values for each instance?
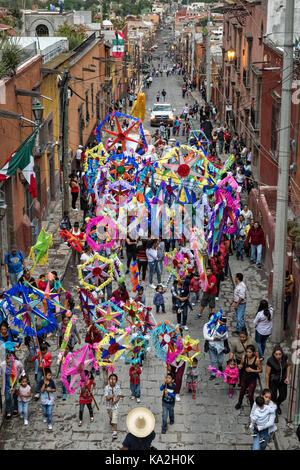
(208, 422)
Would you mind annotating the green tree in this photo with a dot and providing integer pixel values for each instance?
(76, 34)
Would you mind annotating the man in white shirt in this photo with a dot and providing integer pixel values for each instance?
(239, 300)
(248, 215)
(78, 156)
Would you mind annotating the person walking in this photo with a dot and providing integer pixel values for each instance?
(152, 257)
(277, 376)
(239, 300)
(14, 262)
(74, 185)
(164, 94)
(215, 334)
(250, 368)
(157, 96)
(140, 423)
(263, 326)
(221, 139)
(269, 425)
(257, 236)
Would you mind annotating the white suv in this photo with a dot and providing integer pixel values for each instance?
(161, 112)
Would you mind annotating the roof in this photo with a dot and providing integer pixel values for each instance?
(107, 23)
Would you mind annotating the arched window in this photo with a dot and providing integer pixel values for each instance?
(42, 30)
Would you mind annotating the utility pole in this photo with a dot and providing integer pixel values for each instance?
(279, 254)
(64, 106)
(208, 63)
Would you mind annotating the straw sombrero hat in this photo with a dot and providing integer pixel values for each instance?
(140, 422)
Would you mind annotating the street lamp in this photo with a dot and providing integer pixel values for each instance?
(37, 110)
(231, 55)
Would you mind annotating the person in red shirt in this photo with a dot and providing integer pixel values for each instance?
(194, 288)
(86, 398)
(217, 263)
(45, 360)
(257, 236)
(209, 294)
(120, 294)
(135, 382)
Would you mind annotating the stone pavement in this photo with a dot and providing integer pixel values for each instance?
(209, 422)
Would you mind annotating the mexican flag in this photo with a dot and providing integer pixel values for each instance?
(22, 159)
(118, 45)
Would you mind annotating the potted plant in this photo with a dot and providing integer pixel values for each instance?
(294, 232)
(297, 246)
(291, 224)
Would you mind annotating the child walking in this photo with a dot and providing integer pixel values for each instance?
(45, 360)
(168, 402)
(112, 395)
(261, 417)
(47, 387)
(24, 394)
(86, 398)
(232, 375)
(135, 382)
(158, 299)
(192, 377)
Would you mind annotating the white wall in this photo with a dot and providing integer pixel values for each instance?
(276, 18)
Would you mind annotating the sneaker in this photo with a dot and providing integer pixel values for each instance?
(185, 327)
(238, 406)
(25, 422)
(79, 423)
(21, 416)
(194, 395)
(64, 397)
(37, 396)
(261, 441)
(163, 431)
(198, 316)
(171, 422)
(138, 400)
(50, 427)
(45, 420)
(212, 377)
(153, 286)
(193, 304)
(217, 298)
(115, 435)
(92, 419)
(132, 397)
(177, 397)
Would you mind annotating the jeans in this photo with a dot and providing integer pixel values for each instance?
(184, 312)
(161, 265)
(162, 307)
(135, 390)
(194, 297)
(153, 267)
(142, 269)
(167, 409)
(23, 409)
(81, 408)
(74, 199)
(264, 434)
(10, 402)
(261, 343)
(216, 359)
(14, 277)
(239, 315)
(221, 145)
(256, 253)
(40, 375)
(47, 412)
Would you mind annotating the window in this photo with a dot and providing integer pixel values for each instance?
(275, 126)
(87, 115)
(92, 98)
(98, 106)
(80, 124)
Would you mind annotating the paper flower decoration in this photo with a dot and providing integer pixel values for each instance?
(73, 370)
(165, 338)
(39, 252)
(24, 318)
(100, 272)
(190, 349)
(103, 221)
(106, 317)
(71, 239)
(112, 347)
(138, 346)
(132, 312)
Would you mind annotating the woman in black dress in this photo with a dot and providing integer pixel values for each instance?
(250, 367)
